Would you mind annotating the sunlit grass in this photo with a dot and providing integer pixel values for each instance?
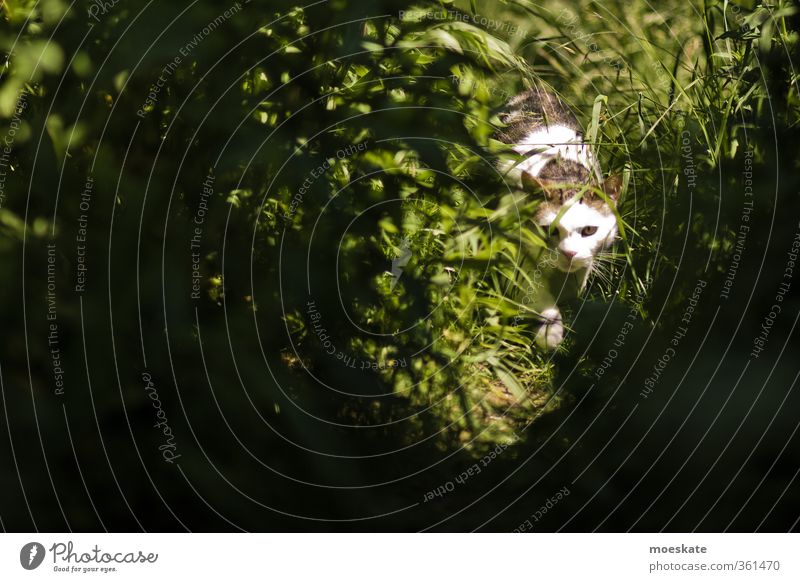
(642, 78)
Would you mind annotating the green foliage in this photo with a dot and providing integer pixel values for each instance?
(336, 144)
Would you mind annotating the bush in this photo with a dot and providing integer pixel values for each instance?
(268, 252)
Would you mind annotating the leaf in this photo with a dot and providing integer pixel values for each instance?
(594, 126)
(510, 381)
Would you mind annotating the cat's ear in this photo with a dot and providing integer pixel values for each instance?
(531, 183)
(613, 187)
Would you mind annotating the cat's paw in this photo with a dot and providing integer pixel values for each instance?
(551, 332)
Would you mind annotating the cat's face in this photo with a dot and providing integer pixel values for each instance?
(586, 226)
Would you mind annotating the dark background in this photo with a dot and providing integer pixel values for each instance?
(263, 445)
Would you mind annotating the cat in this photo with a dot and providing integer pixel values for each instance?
(558, 165)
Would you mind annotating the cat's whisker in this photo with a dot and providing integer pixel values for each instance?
(603, 277)
(603, 270)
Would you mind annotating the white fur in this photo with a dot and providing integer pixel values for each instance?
(551, 333)
(568, 230)
(569, 227)
(553, 140)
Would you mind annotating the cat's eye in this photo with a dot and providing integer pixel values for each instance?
(588, 230)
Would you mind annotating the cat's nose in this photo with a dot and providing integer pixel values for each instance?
(569, 254)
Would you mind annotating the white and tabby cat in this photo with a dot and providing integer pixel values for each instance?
(558, 165)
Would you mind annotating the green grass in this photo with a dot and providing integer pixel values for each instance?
(640, 78)
(424, 94)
